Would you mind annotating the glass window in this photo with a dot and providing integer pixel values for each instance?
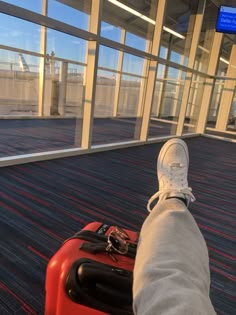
(226, 46)
(135, 41)
(178, 30)
(137, 20)
(222, 66)
(176, 57)
(65, 72)
(63, 101)
(224, 92)
(75, 13)
(64, 85)
(111, 32)
(17, 61)
(215, 103)
(166, 101)
(65, 46)
(18, 33)
(133, 64)
(161, 71)
(129, 96)
(64, 90)
(119, 99)
(206, 37)
(194, 104)
(19, 83)
(232, 114)
(163, 52)
(35, 5)
(108, 57)
(19, 101)
(105, 94)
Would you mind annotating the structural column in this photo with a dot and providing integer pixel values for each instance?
(192, 41)
(91, 76)
(175, 108)
(152, 69)
(208, 87)
(43, 39)
(142, 85)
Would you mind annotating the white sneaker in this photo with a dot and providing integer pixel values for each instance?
(172, 172)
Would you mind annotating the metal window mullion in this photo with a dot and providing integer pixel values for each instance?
(118, 76)
(63, 87)
(91, 76)
(152, 70)
(194, 37)
(23, 51)
(165, 81)
(143, 83)
(178, 88)
(43, 40)
(161, 82)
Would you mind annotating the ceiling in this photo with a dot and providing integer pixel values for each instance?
(177, 18)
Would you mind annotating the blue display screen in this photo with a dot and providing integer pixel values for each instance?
(226, 21)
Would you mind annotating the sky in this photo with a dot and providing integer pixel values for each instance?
(22, 34)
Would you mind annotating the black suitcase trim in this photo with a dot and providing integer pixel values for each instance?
(100, 286)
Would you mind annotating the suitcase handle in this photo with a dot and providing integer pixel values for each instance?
(110, 282)
(100, 286)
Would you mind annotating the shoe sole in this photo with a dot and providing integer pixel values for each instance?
(167, 145)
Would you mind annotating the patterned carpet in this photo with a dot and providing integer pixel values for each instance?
(24, 136)
(44, 203)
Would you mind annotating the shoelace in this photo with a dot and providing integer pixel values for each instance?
(165, 192)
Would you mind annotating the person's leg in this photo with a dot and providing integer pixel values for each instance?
(171, 273)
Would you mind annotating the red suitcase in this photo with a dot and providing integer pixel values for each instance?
(83, 278)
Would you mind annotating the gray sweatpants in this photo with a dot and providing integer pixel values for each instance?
(171, 273)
